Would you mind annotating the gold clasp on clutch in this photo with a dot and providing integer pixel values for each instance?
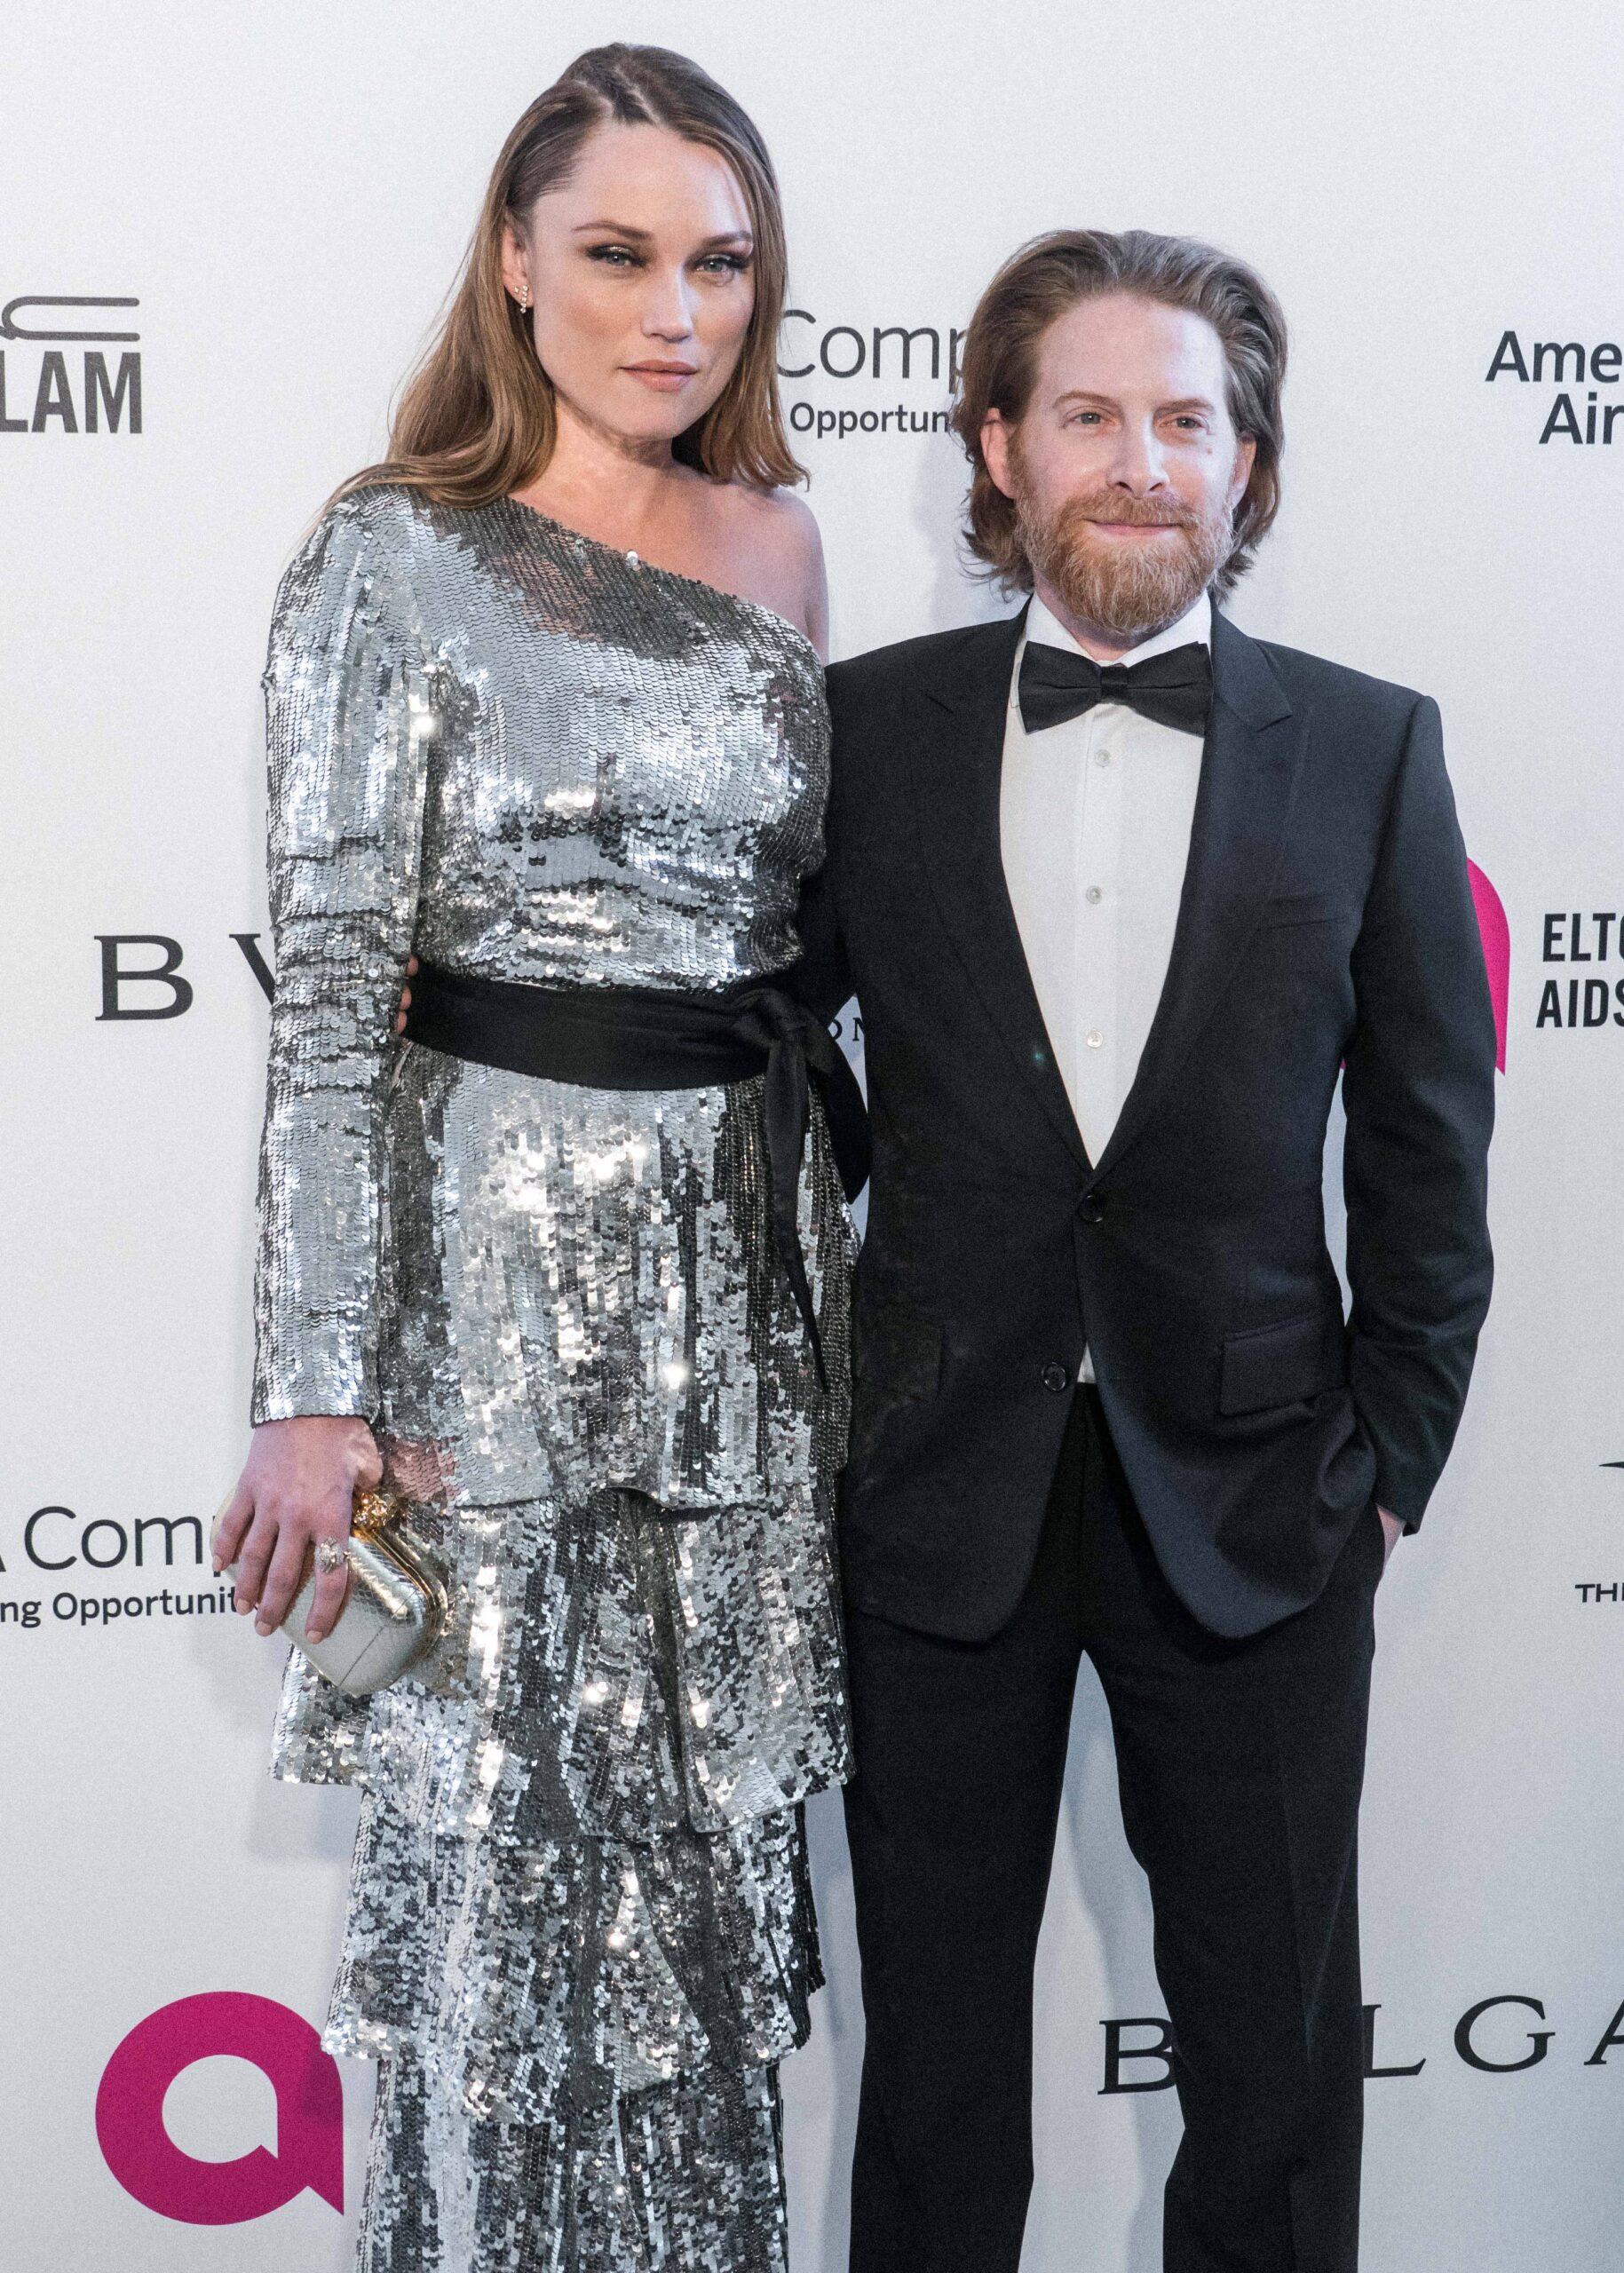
(372, 1512)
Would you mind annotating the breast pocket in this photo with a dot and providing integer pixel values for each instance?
(1288, 908)
(1265, 1365)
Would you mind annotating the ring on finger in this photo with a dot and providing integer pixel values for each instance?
(331, 1554)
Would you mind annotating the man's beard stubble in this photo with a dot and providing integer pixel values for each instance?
(1129, 591)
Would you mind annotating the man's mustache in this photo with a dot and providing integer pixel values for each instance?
(1133, 512)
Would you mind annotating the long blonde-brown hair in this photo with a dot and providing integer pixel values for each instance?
(477, 419)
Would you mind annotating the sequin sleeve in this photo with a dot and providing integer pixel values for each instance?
(348, 718)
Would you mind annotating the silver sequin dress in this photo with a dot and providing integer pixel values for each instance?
(580, 1932)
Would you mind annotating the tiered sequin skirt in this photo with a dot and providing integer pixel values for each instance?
(580, 1935)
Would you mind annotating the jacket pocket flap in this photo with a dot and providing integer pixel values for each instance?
(1275, 1365)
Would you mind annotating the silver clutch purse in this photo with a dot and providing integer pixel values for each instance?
(395, 1609)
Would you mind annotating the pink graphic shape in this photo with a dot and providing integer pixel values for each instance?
(282, 2046)
(1496, 953)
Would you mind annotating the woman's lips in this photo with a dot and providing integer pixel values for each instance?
(665, 378)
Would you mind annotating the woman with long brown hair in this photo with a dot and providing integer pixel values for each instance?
(545, 709)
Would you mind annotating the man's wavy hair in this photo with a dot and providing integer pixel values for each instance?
(1047, 278)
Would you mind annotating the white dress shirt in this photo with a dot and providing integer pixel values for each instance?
(1094, 824)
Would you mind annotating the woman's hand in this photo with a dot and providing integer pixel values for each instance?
(296, 1488)
(406, 995)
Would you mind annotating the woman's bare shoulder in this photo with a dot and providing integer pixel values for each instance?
(779, 521)
(774, 541)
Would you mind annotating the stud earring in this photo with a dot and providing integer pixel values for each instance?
(524, 300)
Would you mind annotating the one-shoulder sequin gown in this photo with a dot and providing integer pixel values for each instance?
(580, 1934)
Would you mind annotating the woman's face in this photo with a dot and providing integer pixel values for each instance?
(641, 274)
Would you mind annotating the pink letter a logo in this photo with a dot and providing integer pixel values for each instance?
(1496, 934)
(146, 2162)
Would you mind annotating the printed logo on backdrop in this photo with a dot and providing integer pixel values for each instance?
(141, 976)
(1588, 1000)
(56, 376)
(134, 2137)
(1495, 2037)
(879, 380)
(1581, 956)
(1594, 1593)
(102, 1572)
(1573, 379)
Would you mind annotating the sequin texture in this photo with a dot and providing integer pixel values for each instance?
(580, 1935)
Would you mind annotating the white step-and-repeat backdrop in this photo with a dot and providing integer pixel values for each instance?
(225, 232)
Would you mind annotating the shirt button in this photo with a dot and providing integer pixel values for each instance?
(1102, 757)
(1055, 1378)
(1096, 1040)
(1094, 895)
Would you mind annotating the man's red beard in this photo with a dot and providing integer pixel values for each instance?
(1127, 590)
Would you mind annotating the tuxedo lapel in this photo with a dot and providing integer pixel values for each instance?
(957, 768)
(1249, 765)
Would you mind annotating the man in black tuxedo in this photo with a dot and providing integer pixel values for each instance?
(1123, 893)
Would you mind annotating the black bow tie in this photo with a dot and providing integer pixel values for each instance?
(1173, 689)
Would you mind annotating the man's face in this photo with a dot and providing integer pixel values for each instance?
(1126, 468)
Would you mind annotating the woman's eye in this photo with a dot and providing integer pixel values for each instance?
(726, 263)
(612, 256)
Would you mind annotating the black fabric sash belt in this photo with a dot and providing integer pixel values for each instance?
(646, 1038)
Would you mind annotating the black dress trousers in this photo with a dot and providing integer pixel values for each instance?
(1240, 1765)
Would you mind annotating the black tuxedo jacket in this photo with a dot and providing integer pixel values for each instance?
(1326, 922)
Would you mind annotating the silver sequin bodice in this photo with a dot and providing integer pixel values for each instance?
(528, 756)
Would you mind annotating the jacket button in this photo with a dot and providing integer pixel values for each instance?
(1091, 1208)
(1055, 1378)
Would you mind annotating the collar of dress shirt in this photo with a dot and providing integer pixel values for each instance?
(1195, 624)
